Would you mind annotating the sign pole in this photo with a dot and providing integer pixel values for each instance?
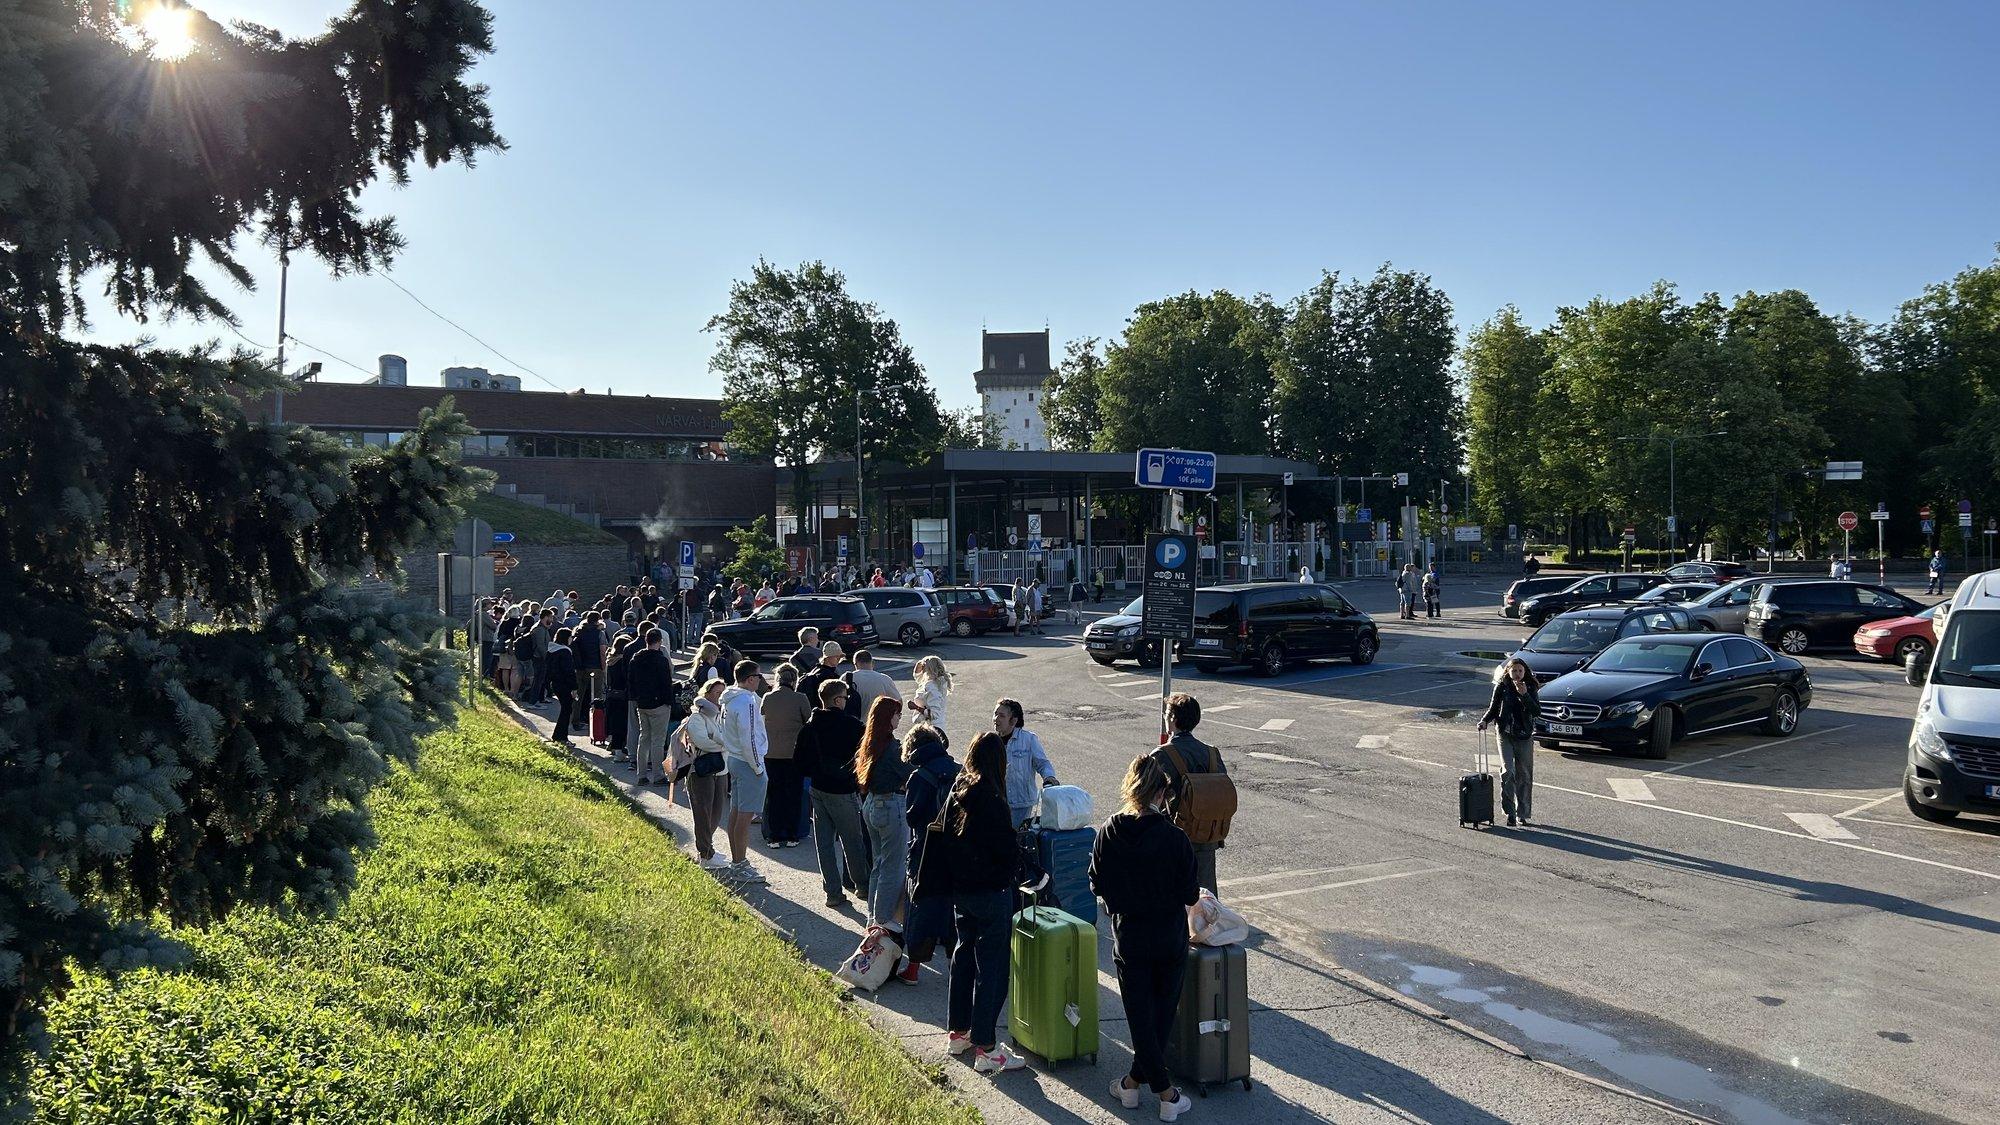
(1881, 559)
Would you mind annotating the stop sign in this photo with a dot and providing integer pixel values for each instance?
(1848, 521)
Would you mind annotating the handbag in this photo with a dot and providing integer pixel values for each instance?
(870, 964)
(934, 869)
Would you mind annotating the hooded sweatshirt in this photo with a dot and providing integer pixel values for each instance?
(1143, 868)
(743, 734)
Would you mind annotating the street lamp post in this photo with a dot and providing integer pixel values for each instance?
(1673, 510)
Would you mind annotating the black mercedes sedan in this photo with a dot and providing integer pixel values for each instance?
(1594, 590)
(1648, 692)
(1571, 638)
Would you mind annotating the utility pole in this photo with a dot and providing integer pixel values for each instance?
(1673, 507)
(860, 501)
(284, 275)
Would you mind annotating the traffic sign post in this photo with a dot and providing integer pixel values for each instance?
(503, 537)
(1167, 605)
(1184, 469)
(1964, 528)
(1848, 522)
(1881, 517)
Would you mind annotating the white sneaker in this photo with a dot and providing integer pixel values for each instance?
(1000, 1058)
(1171, 1111)
(1128, 1096)
(744, 873)
(957, 1044)
(714, 862)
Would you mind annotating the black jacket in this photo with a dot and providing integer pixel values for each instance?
(932, 772)
(618, 678)
(650, 678)
(561, 668)
(810, 680)
(985, 851)
(827, 744)
(1143, 868)
(805, 660)
(588, 645)
(1516, 711)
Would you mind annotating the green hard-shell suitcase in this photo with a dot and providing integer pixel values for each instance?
(1052, 993)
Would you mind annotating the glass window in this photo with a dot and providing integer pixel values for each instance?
(1875, 598)
(1969, 652)
(1645, 654)
(1592, 586)
(566, 447)
(1744, 652)
(499, 445)
(375, 439)
(1577, 635)
(1211, 607)
(1716, 656)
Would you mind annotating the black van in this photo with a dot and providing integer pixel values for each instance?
(1270, 624)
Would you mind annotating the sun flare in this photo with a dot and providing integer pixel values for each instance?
(169, 30)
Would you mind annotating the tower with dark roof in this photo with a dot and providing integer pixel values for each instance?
(1011, 381)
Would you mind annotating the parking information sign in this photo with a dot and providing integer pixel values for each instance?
(1175, 468)
(1168, 608)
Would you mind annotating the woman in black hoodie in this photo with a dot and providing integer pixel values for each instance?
(1143, 869)
(983, 859)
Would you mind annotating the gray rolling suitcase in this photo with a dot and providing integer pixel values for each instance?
(1210, 1042)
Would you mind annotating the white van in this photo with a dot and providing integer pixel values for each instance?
(1954, 762)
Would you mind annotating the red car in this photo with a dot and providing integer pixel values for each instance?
(1898, 638)
(973, 609)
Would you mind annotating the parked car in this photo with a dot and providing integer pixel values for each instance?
(774, 628)
(1005, 592)
(1648, 692)
(972, 610)
(1524, 588)
(1676, 593)
(1898, 638)
(1954, 755)
(1708, 573)
(910, 615)
(1796, 616)
(1725, 608)
(1270, 624)
(1597, 589)
(1571, 638)
(1116, 637)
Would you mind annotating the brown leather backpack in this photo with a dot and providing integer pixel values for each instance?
(1206, 801)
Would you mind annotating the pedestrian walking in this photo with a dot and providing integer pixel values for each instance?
(587, 643)
(826, 751)
(1433, 592)
(1937, 573)
(927, 757)
(1037, 606)
(880, 774)
(562, 679)
(509, 665)
(871, 685)
(1026, 760)
(978, 872)
(1020, 602)
(1516, 702)
(538, 649)
(1530, 566)
(618, 699)
(708, 772)
(1200, 807)
(745, 744)
(1408, 588)
(1097, 585)
(651, 684)
(1143, 867)
(786, 711)
(933, 690)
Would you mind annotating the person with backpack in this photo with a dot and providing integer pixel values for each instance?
(651, 684)
(1201, 798)
(509, 666)
(745, 742)
(1143, 867)
(538, 650)
(827, 746)
(617, 698)
(927, 756)
(825, 667)
(587, 642)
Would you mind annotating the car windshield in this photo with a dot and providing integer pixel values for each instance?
(1573, 635)
(1969, 654)
(1132, 607)
(1644, 654)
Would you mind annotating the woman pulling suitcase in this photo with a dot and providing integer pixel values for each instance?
(1143, 869)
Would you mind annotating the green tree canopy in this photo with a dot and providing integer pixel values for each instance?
(1071, 400)
(1194, 370)
(150, 768)
(1505, 362)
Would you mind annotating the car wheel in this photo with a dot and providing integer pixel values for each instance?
(962, 627)
(1704, 625)
(1662, 733)
(1364, 649)
(1272, 660)
(1792, 641)
(1910, 647)
(1784, 716)
(1149, 655)
(1924, 812)
(1208, 667)
(911, 635)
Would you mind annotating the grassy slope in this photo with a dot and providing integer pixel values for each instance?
(536, 525)
(521, 948)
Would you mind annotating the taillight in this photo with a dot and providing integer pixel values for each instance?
(841, 629)
(1243, 629)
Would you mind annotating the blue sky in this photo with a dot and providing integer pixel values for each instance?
(1022, 164)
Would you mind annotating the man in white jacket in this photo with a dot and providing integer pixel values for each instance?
(744, 745)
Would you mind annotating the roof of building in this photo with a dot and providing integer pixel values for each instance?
(1012, 359)
(369, 406)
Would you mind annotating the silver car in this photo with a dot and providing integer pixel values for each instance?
(910, 615)
(1725, 608)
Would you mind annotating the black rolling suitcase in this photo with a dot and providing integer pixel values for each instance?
(1210, 1040)
(1475, 790)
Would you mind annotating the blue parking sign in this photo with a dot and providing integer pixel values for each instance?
(687, 554)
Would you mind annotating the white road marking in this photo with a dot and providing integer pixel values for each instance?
(1427, 687)
(1960, 833)
(1757, 785)
(1306, 873)
(1631, 789)
(1254, 730)
(1277, 724)
(1269, 895)
(1149, 695)
(1372, 742)
(1821, 825)
(1270, 757)
(1224, 707)
(1893, 794)
(1781, 832)
(1747, 749)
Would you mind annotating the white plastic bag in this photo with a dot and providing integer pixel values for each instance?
(1212, 923)
(870, 964)
(1065, 807)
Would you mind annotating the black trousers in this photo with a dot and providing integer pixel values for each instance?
(615, 714)
(1150, 985)
(565, 710)
(784, 800)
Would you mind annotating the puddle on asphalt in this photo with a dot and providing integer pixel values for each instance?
(1668, 1077)
(1484, 654)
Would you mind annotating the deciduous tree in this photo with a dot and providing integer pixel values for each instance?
(1072, 399)
(1193, 370)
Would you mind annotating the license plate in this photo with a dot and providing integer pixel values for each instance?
(1100, 644)
(1208, 642)
(1565, 728)
(1993, 791)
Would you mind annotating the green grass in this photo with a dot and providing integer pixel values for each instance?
(536, 525)
(521, 948)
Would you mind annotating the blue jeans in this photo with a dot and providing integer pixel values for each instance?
(889, 849)
(841, 840)
(985, 923)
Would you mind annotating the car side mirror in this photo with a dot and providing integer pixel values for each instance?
(1917, 668)
(1701, 671)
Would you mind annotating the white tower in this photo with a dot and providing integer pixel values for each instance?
(1011, 381)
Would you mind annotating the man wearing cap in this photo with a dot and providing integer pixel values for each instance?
(832, 656)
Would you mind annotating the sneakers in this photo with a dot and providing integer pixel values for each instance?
(1000, 1059)
(908, 973)
(714, 863)
(774, 845)
(957, 1044)
(1171, 1111)
(838, 902)
(1128, 1096)
(791, 843)
(744, 873)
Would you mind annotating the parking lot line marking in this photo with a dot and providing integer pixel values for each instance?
(1306, 873)
(1149, 695)
(1277, 724)
(1780, 832)
(1960, 833)
(1426, 687)
(1821, 825)
(1372, 742)
(1267, 756)
(1757, 785)
(1747, 749)
(1224, 707)
(1269, 895)
(1893, 794)
(1630, 789)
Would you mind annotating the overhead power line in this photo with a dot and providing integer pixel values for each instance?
(468, 332)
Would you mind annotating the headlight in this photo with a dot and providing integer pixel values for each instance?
(1129, 631)
(1620, 710)
(1924, 737)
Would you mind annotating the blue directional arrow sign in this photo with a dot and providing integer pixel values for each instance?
(503, 537)
(1184, 469)
(1365, 515)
